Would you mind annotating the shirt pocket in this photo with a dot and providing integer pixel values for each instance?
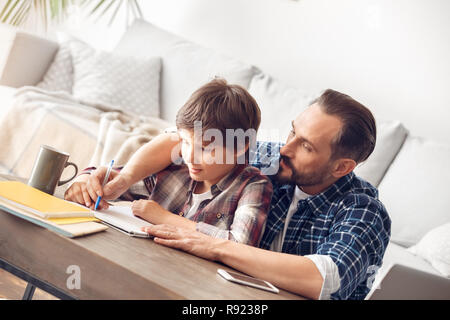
(222, 220)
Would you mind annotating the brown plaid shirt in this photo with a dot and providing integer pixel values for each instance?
(237, 210)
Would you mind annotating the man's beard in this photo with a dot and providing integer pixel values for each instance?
(303, 179)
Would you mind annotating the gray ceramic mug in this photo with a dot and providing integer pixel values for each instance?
(48, 168)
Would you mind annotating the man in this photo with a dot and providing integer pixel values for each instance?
(326, 230)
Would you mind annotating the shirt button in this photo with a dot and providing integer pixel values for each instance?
(181, 214)
(219, 215)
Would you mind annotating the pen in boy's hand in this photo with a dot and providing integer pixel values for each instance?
(105, 180)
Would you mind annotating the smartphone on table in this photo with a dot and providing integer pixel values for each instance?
(246, 280)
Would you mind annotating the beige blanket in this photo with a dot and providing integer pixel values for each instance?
(91, 134)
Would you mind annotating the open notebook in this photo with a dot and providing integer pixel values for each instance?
(121, 217)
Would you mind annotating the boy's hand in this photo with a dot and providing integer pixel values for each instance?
(78, 192)
(118, 183)
(88, 187)
(150, 210)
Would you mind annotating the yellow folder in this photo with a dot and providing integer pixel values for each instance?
(62, 221)
(40, 203)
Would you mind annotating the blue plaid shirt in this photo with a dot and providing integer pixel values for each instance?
(346, 222)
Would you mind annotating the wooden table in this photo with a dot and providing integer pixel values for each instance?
(113, 266)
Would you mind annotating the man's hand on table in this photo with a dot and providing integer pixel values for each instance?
(195, 243)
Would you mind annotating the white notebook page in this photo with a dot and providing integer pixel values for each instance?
(122, 217)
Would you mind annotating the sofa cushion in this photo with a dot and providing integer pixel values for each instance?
(127, 83)
(185, 65)
(24, 58)
(279, 104)
(59, 76)
(415, 189)
(434, 247)
(396, 254)
(390, 137)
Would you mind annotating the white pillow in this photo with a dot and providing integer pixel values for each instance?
(415, 189)
(435, 248)
(279, 104)
(186, 65)
(59, 76)
(127, 83)
(390, 137)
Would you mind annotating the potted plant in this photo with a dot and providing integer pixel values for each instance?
(18, 12)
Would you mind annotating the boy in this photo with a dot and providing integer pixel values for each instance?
(214, 191)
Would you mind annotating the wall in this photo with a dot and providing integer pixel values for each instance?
(393, 56)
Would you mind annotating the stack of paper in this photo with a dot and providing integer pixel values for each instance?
(62, 216)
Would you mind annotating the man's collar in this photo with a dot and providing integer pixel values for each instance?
(325, 198)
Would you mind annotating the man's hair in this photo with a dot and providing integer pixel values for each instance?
(357, 137)
(219, 105)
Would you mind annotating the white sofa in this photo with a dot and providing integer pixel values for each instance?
(411, 173)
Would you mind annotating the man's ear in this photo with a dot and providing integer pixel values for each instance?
(343, 167)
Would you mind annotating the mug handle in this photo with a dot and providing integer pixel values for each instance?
(60, 183)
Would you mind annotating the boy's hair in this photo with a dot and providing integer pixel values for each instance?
(219, 105)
